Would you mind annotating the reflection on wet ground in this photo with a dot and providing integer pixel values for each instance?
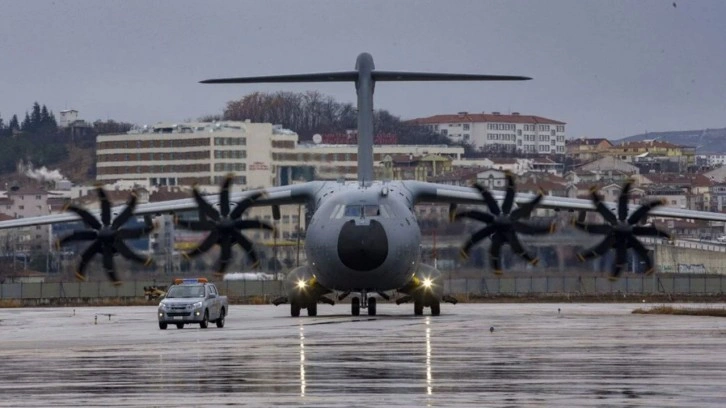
(586, 355)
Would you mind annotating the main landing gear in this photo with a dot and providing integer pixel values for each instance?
(420, 302)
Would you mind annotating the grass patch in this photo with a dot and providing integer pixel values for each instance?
(683, 311)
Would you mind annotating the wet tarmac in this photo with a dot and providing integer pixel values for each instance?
(585, 355)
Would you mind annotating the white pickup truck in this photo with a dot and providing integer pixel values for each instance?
(192, 301)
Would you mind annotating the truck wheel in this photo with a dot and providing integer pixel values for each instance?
(220, 321)
(180, 325)
(205, 322)
(162, 326)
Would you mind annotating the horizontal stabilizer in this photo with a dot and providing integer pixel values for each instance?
(350, 76)
(433, 76)
(344, 76)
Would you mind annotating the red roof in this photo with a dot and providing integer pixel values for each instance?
(484, 117)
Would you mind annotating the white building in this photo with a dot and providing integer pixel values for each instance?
(22, 203)
(259, 154)
(67, 117)
(716, 160)
(515, 132)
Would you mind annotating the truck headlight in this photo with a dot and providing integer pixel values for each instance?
(163, 306)
(197, 305)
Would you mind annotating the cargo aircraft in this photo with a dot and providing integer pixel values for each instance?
(362, 237)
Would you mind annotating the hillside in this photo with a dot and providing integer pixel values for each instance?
(79, 167)
(706, 141)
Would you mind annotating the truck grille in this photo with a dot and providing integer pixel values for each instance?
(174, 314)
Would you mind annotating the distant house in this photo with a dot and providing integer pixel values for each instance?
(585, 150)
(606, 164)
(515, 165)
(632, 151)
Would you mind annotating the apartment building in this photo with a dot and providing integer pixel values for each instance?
(495, 131)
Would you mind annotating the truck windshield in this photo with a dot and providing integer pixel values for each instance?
(185, 291)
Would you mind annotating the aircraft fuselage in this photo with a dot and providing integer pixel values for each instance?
(363, 237)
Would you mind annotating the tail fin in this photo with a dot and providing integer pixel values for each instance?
(365, 77)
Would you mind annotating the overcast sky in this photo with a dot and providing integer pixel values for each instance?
(607, 68)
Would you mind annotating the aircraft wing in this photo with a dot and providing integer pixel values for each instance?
(442, 193)
(291, 194)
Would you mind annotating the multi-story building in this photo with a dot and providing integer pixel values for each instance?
(259, 154)
(27, 202)
(716, 160)
(192, 153)
(495, 131)
(585, 150)
(651, 149)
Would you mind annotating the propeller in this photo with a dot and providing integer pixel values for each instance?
(621, 232)
(504, 224)
(107, 236)
(224, 226)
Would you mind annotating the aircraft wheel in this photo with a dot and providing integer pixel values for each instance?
(372, 307)
(162, 326)
(355, 306)
(180, 325)
(435, 308)
(294, 310)
(313, 309)
(220, 321)
(418, 308)
(205, 322)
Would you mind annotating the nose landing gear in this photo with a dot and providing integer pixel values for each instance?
(356, 304)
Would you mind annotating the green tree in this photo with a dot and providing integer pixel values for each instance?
(13, 125)
(27, 125)
(35, 118)
(111, 127)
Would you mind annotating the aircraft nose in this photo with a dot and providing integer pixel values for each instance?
(362, 247)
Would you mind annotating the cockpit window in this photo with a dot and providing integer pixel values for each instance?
(371, 210)
(362, 211)
(352, 210)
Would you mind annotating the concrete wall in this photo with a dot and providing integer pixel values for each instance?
(675, 259)
(686, 284)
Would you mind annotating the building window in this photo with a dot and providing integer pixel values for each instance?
(466, 126)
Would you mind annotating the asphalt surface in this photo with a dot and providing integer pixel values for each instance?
(584, 355)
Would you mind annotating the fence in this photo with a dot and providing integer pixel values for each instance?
(682, 284)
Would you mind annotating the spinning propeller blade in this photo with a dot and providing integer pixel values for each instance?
(107, 236)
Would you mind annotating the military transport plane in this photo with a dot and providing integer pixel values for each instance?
(362, 237)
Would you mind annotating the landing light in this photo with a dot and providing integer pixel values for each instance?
(301, 284)
(427, 283)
